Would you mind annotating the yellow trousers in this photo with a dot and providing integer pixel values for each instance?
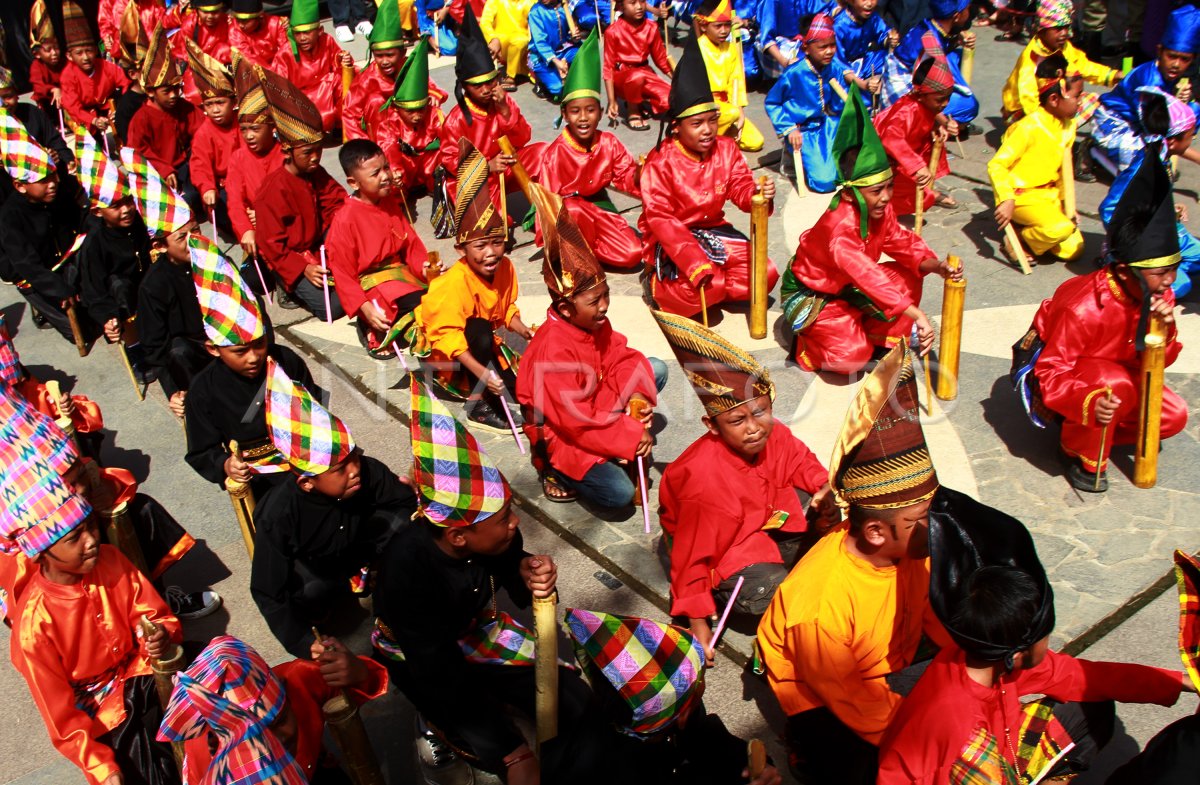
(514, 51)
(408, 15)
(751, 139)
(1044, 226)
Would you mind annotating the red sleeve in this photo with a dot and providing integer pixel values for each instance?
(331, 197)
(742, 184)
(108, 21)
(1066, 340)
(452, 130)
(658, 50)
(74, 83)
(904, 245)
(694, 553)
(270, 206)
(143, 136)
(235, 196)
(803, 466)
(624, 168)
(847, 252)
(516, 127)
(341, 247)
(353, 107)
(658, 211)
(1066, 678)
(118, 75)
(202, 168)
(893, 126)
(607, 56)
(41, 80)
(186, 30)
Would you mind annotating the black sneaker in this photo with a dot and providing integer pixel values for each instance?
(1083, 480)
(285, 300)
(192, 605)
(481, 414)
(39, 321)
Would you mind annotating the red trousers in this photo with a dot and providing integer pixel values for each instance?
(730, 283)
(640, 84)
(1083, 441)
(610, 237)
(843, 338)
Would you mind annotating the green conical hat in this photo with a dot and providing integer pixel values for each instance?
(412, 82)
(855, 130)
(386, 32)
(583, 78)
(305, 15)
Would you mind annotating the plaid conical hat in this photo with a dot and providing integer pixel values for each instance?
(568, 265)
(212, 78)
(159, 68)
(932, 73)
(855, 130)
(77, 31)
(231, 314)
(412, 81)
(386, 32)
(10, 360)
(41, 28)
(297, 119)
(820, 28)
(24, 424)
(309, 435)
(6, 79)
(252, 102)
(459, 484)
(26, 160)
(880, 460)
(723, 375)
(163, 210)
(583, 77)
(656, 668)
(690, 92)
(475, 214)
(132, 37)
(100, 175)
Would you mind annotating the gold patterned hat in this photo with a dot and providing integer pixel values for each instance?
(160, 69)
(252, 102)
(212, 79)
(297, 119)
(475, 214)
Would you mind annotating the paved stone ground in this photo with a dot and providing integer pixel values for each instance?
(1106, 555)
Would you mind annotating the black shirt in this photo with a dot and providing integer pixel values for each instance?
(127, 106)
(33, 237)
(167, 309)
(112, 262)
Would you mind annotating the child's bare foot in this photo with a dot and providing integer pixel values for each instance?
(942, 199)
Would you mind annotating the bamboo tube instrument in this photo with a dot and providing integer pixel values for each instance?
(758, 263)
(346, 725)
(1068, 185)
(538, 197)
(347, 80)
(119, 533)
(1149, 433)
(433, 266)
(967, 66)
(76, 331)
(242, 498)
(703, 306)
(1010, 233)
(545, 663)
(801, 183)
(164, 671)
(126, 328)
(953, 295)
(63, 405)
(756, 758)
(935, 157)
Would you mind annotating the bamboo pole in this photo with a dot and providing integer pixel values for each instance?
(1068, 185)
(572, 27)
(347, 80)
(545, 624)
(703, 307)
(121, 346)
(164, 671)
(967, 64)
(1145, 459)
(935, 157)
(518, 169)
(756, 758)
(358, 756)
(801, 183)
(1010, 234)
(759, 278)
(76, 331)
(953, 295)
(242, 498)
(1103, 445)
(119, 533)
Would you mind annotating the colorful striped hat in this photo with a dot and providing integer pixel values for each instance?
(820, 28)
(881, 460)
(932, 73)
(163, 210)
(159, 67)
(305, 432)
(297, 119)
(77, 31)
(475, 214)
(231, 692)
(6, 79)
(26, 160)
(24, 424)
(252, 102)
(1054, 13)
(232, 316)
(100, 175)
(656, 668)
(211, 76)
(722, 13)
(722, 374)
(10, 360)
(41, 28)
(568, 265)
(459, 484)
(1187, 577)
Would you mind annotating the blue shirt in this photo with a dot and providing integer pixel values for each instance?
(803, 98)
(781, 18)
(1122, 100)
(549, 34)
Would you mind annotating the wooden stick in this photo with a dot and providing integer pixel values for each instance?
(961, 152)
(967, 64)
(137, 386)
(1149, 434)
(841, 91)
(801, 183)
(1018, 250)
(545, 665)
(756, 758)
(935, 158)
(242, 498)
(637, 410)
(347, 80)
(76, 331)
(1103, 444)
(1068, 185)
(928, 385)
(325, 286)
(759, 277)
(164, 683)
(703, 307)
(919, 215)
(953, 296)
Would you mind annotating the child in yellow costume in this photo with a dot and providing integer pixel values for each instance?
(726, 73)
(505, 25)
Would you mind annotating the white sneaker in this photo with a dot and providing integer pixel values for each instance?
(343, 33)
(364, 28)
(439, 764)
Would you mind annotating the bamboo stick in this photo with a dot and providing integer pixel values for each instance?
(1068, 185)
(953, 296)
(935, 157)
(703, 307)
(164, 670)
(756, 758)
(967, 64)
(242, 498)
(119, 533)
(801, 183)
(1149, 434)
(76, 331)
(1103, 445)
(1010, 234)
(545, 624)
(518, 169)
(347, 80)
(759, 278)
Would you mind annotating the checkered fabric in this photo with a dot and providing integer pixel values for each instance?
(937, 79)
(22, 424)
(499, 641)
(1054, 13)
(1187, 575)
(10, 361)
(100, 175)
(312, 439)
(230, 691)
(458, 483)
(819, 29)
(6, 79)
(26, 160)
(231, 314)
(656, 668)
(163, 210)
(1040, 739)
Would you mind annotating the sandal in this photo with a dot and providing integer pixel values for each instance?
(508, 84)
(637, 124)
(942, 199)
(554, 491)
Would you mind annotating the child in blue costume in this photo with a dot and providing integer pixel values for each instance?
(552, 48)
(1116, 131)
(863, 41)
(948, 21)
(804, 108)
(1169, 127)
(779, 32)
(436, 22)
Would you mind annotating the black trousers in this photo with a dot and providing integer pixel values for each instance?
(142, 758)
(481, 343)
(185, 359)
(763, 579)
(54, 314)
(822, 750)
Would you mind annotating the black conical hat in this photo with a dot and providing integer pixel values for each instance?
(690, 93)
(1148, 194)
(473, 64)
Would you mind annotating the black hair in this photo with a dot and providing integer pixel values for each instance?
(998, 606)
(1053, 66)
(806, 22)
(921, 72)
(848, 160)
(354, 152)
(707, 7)
(1156, 118)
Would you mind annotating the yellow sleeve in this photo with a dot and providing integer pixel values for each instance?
(1027, 89)
(444, 311)
(1091, 72)
(1012, 147)
(487, 22)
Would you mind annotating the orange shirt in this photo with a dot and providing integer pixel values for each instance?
(458, 294)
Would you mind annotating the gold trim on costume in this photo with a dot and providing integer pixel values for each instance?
(692, 111)
(1158, 261)
(482, 78)
(869, 180)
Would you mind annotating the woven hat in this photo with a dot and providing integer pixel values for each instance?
(24, 425)
(231, 692)
(412, 81)
(820, 28)
(722, 374)
(458, 483)
(231, 315)
(100, 175)
(964, 536)
(657, 669)
(722, 13)
(1180, 118)
(386, 32)
(160, 69)
(690, 92)
(880, 460)
(583, 77)
(163, 210)
(856, 131)
(1187, 577)
(77, 30)
(475, 214)
(252, 102)
(1183, 30)
(1054, 13)
(246, 9)
(211, 77)
(932, 75)
(305, 15)
(41, 27)
(6, 79)
(568, 265)
(26, 160)
(312, 438)
(297, 119)
(132, 38)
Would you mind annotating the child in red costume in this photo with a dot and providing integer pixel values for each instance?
(413, 150)
(313, 62)
(630, 43)
(256, 155)
(216, 138)
(255, 35)
(89, 83)
(207, 27)
(45, 72)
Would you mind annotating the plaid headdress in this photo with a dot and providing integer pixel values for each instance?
(475, 214)
(880, 460)
(163, 210)
(231, 314)
(159, 68)
(656, 668)
(1054, 13)
(6, 79)
(820, 28)
(230, 691)
(252, 102)
(932, 73)
(568, 264)
(297, 119)
(1187, 576)
(312, 438)
(25, 425)
(1180, 118)
(76, 29)
(100, 175)
(26, 160)
(41, 28)
(132, 38)
(212, 79)
(10, 360)
(723, 375)
(459, 484)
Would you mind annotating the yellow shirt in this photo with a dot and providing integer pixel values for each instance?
(1021, 91)
(724, 65)
(1031, 154)
(837, 626)
(506, 19)
(458, 294)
